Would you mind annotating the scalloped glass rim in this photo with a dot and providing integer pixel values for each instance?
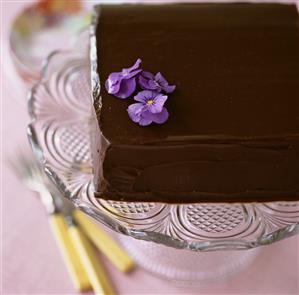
(119, 223)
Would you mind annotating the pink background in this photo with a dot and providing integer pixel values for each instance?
(31, 260)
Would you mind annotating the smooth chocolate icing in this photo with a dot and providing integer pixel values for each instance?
(233, 130)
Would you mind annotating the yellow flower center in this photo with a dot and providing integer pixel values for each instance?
(150, 101)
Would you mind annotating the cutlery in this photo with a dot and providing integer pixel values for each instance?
(75, 233)
(30, 174)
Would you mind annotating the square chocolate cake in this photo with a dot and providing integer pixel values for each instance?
(217, 121)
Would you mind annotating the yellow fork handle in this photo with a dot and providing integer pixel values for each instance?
(71, 258)
(96, 274)
(103, 242)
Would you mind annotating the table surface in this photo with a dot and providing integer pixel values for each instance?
(31, 261)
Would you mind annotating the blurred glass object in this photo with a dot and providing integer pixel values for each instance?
(42, 28)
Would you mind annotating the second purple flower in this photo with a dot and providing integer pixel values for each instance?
(149, 81)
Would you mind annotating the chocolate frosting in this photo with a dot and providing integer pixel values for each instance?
(233, 130)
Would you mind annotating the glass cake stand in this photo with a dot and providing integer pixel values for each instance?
(60, 109)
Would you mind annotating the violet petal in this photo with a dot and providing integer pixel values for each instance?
(164, 84)
(158, 103)
(112, 84)
(148, 75)
(134, 111)
(145, 121)
(169, 88)
(130, 74)
(134, 67)
(127, 87)
(161, 117)
(143, 82)
(159, 78)
(143, 96)
(146, 81)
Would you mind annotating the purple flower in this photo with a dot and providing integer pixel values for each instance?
(123, 84)
(148, 81)
(149, 108)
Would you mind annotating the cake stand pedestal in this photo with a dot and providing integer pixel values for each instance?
(185, 267)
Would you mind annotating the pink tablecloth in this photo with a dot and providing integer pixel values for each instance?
(31, 260)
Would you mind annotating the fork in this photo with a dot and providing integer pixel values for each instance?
(75, 247)
(30, 174)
